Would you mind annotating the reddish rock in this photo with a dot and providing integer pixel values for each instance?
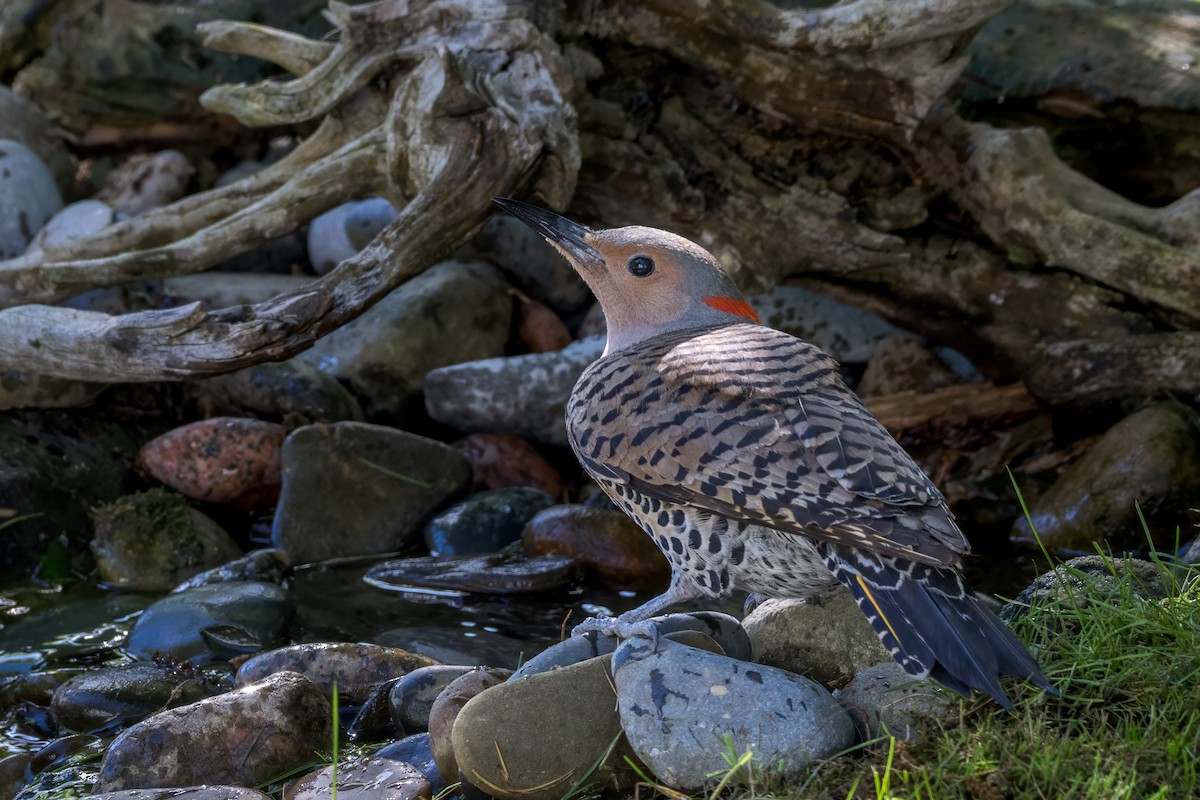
(357, 669)
(539, 329)
(499, 461)
(221, 460)
(604, 539)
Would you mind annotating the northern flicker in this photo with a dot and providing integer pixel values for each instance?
(741, 452)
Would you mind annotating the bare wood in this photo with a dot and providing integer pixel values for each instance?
(950, 414)
(1092, 371)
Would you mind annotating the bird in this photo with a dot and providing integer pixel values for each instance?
(742, 453)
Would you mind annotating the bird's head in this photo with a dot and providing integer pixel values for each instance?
(648, 281)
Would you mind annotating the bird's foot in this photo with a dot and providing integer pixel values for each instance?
(615, 626)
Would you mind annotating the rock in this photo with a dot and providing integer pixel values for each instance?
(1080, 581)
(446, 709)
(483, 396)
(78, 220)
(531, 264)
(146, 182)
(174, 625)
(293, 392)
(471, 645)
(890, 702)
(373, 722)
(847, 333)
(233, 289)
(1148, 461)
(345, 230)
(415, 751)
(484, 522)
(605, 540)
(23, 120)
(28, 197)
(23, 390)
(245, 737)
(54, 467)
(152, 540)
(267, 566)
(356, 668)
(537, 737)
(539, 329)
(457, 311)
(184, 793)
(902, 364)
(498, 462)
(497, 573)
(826, 638)
(107, 699)
(593, 323)
(65, 768)
(12, 773)
(678, 704)
(373, 485)
(722, 630)
(412, 696)
(363, 778)
(1104, 51)
(219, 460)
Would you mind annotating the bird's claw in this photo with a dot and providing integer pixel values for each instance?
(614, 626)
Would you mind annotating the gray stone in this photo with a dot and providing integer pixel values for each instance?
(293, 390)
(495, 573)
(889, 702)
(826, 638)
(245, 737)
(28, 197)
(152, 540)
(455, 312)
(373, 485)
(536, 737)
(569, 651)
(269, 565)
(484, 522)
(449, 704)
(146, 182)
(345, 230)
(24, 121)
(415, 751)
(184, 793)
(847, 333)
(1145, 467)
(78, 220)
(413, 695)
(174, 625)
(682, 709)
(105, 699)
(364, 778)
(523, 395)
(531, 264)
(1080, 581)
(356, 668)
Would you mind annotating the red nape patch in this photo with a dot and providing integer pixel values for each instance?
(731, 306)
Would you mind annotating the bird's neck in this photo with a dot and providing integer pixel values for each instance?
(714, 312)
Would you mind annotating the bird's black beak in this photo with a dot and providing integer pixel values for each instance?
(569, 237)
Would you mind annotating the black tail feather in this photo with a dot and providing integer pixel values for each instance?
(932, 625)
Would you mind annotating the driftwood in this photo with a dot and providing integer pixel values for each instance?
(439, 104)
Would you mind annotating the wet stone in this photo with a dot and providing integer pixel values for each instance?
(105, 699)
(449, 704)
(1075, 583)
(291, 391)
(454, 312)
(415, 751)
(152, 540)
(28, 197)
(789, 722)
(826, 638)
(265, 566)
(887, 701)
(373, 722)
(537, 736)
(220, 460)
(497, 573)
(186, 793)
(174, 625)
(365, 778)
(485, 522)
(1149, 463)
(412, 696)
(245, 737)
(498, 462)
(607, 541)
(372, 484)
(357, 669)
(523, 396)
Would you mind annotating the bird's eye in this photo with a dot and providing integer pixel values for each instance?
(641, 266)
